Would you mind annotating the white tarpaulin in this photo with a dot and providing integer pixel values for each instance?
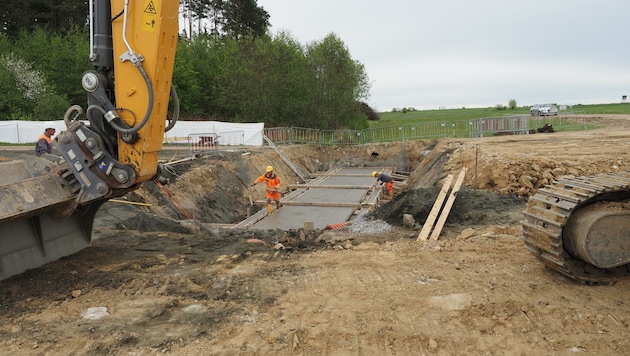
(249, 134)
(26, 131)
(227, 133)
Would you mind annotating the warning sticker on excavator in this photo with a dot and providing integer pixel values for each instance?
(150, 15)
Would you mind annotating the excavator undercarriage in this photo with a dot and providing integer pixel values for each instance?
(580, 227)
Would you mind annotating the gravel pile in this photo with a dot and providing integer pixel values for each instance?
(363, 225)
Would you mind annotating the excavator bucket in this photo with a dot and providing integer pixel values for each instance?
(39, 219)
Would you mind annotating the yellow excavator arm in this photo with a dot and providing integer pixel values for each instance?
(133, 53)
(154, 38)
(49, 204)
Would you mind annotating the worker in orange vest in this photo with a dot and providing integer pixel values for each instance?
(273, 184)
(44, 141)
(387, 180)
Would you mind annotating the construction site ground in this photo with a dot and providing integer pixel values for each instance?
(169, 275)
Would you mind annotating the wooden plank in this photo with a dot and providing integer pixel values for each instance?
(366, 174)
(447, 207)
(428, 225)
(323, 204)
(309, 186)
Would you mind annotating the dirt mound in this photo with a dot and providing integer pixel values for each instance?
(123, 217)
(471, 207)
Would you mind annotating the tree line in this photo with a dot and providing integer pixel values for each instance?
(230, 69)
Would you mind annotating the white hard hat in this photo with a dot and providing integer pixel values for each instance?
(49, 125)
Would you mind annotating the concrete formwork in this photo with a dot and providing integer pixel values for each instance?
(333, 197)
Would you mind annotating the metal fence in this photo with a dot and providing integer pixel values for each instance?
(201, 143)
(566, 120)
(523, 124)
(292, 135)
(512, 125)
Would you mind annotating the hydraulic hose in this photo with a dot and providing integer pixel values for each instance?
(147, 115)
(137, 61)
(95, 127)
(176, 109)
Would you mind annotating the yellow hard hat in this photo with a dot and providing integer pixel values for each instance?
(374, 174)
(269, 169)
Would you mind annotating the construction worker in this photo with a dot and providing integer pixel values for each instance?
(272, 185)
(44, 141)
(387, 180)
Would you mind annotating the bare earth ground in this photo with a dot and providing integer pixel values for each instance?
(154, 282)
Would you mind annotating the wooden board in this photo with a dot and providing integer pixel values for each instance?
(428, 225)
(312, 186)
(447, 207)
(261, 202)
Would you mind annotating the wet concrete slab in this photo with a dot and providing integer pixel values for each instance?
(293, 217)
(348, 180)
(317, 205)
(332, 195)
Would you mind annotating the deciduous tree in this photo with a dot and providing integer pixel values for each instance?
(225, 18)
(341, 83)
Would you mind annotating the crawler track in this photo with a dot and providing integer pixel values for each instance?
(548, 211)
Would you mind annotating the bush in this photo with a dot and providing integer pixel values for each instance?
(512, 104)
(368, 111)
(50, 107)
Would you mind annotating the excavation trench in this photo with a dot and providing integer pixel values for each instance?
(215, 190)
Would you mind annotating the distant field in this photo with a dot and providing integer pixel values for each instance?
(453, 115)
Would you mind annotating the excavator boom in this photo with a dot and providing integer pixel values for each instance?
(48, 203)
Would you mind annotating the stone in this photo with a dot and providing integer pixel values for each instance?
(408, 220)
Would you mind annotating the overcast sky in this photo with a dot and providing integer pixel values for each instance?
(476, 53)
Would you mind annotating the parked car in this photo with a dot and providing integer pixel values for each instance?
(544, 110)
